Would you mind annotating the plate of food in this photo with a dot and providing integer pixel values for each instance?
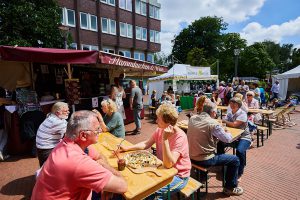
(142, 161)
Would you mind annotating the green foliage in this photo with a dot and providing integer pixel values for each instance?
(295, 57)
(204, 33)
(196, 57)
(229, 42)
(255, 61)
(24, 22)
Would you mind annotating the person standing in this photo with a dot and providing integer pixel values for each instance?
(117, 95)
(51, 131)
(136, 104)
(275, 90)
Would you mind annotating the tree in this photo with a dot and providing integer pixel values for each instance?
(24, 22)
(204, 33)
(228, 43)
(255, 61)
(196, 57)
(295, 57)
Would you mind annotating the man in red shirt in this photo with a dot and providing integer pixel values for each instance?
(71, 174)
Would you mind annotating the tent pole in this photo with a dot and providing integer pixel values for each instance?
(32, 76)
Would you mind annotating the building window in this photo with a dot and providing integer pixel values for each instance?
(72, 46)
(112, 27)
(125, 4)
(140, 7)
(125, 30)
(150, 57)
(154, 12)
(68, 17)
(138, 31)
(108, 50)
(88, 22)
(144, 36)
(108, 26)
(157, 37)
(125, 53)
(110, 2)
(154, 36)
(93, 23)
(89, 47)
(139, 56)
(129, 30)
(141, 33)
(104, 24)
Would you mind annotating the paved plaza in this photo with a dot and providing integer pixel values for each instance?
(272, 171)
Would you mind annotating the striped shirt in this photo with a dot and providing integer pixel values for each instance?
(50, 132)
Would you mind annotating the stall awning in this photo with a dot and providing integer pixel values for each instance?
(116, 60)
(48, 55)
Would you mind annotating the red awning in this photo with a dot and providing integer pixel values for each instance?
(112, 59)
(48, 55)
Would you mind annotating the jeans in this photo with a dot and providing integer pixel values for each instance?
(231, 161)
(275, 95)
(175, 186)
(137, 118)
(241, 149)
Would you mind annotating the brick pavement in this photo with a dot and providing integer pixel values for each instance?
(272, 171)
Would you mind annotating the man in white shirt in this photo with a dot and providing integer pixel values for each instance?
(275, 90)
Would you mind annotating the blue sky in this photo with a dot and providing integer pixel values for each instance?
(255, 20)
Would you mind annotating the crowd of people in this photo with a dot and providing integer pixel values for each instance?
(71, 168)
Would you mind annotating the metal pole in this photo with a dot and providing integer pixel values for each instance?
(236, 66)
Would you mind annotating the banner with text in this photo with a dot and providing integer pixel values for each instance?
(111, 59)
(197, 72)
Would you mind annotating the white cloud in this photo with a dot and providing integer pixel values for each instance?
(255, 32)
(175, 12)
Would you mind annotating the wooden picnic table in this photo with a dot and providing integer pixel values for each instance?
(139, 185)
(235, 132)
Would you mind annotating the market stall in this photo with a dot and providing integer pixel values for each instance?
(116, 65)
(181, 78)
(32, 68)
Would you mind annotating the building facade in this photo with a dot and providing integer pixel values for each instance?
(130, 28)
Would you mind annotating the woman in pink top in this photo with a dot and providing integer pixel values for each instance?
(171, 147)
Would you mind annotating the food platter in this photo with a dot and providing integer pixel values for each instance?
(141, 159)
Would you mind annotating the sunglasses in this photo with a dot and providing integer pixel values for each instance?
(96, 132)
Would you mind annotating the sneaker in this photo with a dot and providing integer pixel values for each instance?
(237, 191)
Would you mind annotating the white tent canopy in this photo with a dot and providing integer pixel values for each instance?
(288, 81)
(186, 72)
(179, 72)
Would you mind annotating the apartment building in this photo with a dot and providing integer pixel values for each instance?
(130, 28)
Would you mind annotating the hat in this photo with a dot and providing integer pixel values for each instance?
(22, 84)
(236, 100)
(251, 93)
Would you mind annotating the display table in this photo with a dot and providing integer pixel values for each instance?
(187, 102)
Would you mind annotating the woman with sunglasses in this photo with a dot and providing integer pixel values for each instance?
(112, 121)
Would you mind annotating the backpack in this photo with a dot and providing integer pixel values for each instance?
(228, 95)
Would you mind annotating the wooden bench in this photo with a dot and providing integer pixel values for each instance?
(260, 132)
(191, 187)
